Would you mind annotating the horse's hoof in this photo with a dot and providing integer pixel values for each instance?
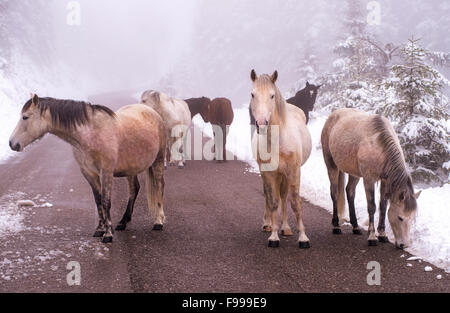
(267, 229)
(383, 239)
(158, 227)
(357, 231)
(99, 233)
(373, 243)
(304, 245)
(180, 167)
(121, 227)
(337, 231)
(107, 239)
(286, 232)
(274, 244)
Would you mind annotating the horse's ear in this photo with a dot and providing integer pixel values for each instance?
(318, 87)
(417, 194)
(253, 76)
(307, 84)
(34, 99)
(274, 77)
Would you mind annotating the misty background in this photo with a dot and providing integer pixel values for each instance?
(194, 47)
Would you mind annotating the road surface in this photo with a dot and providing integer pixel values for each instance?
(212, 240)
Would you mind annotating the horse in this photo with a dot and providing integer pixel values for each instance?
(305, 99)
(281, 182)
(218, 112)
(105, 144)
(177, 118)
(365, 145)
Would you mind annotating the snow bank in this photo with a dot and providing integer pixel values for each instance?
(430, 232)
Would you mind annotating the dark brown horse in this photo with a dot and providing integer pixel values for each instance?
(305, 99)
(218, 112)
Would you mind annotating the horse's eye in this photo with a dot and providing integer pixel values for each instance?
(272, 97)
(253, 95)
(400, 218)
(25, 118)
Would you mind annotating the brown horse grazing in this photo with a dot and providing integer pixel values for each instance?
(287, 134)
(105, 145)
(218, 112)
(365, 145)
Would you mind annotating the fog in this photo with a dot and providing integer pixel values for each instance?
(200, 47)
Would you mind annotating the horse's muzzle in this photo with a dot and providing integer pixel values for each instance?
(266, 123)
(15, 147)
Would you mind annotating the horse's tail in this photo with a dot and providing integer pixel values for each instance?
(341, 196)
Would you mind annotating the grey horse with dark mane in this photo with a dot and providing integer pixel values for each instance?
(365, 145)
(106, 144)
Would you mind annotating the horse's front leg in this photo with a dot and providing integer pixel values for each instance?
(285, 229)
(383, 205)
(371, 208)
(273, 202)
(267, 218)
(106, 181)
(94, 182)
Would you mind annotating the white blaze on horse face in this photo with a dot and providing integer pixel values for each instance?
(262, 105)
(31, 127)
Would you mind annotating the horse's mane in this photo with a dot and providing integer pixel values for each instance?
(394, 169)
(280, 103)
(68, 113)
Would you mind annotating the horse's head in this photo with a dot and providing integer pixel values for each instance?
(150, 98)
(402, 212)
(265, 98)
(311, 91)
(33, 125)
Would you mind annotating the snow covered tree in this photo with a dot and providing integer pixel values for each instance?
(359, 66)
(420, 110)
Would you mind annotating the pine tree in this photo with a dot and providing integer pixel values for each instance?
(420, 109)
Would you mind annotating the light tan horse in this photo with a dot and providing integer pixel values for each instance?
(284, 129)
(365, 145)
(177, 118)
(105, 145)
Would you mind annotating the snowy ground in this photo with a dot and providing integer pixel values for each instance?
(430, 233)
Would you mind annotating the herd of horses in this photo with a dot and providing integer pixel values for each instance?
(141, 138)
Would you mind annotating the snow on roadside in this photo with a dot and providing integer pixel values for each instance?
(11, 218)
(429, 233)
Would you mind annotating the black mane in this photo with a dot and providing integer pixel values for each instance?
(68, 113)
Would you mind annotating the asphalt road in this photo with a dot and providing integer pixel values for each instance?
(211, 242)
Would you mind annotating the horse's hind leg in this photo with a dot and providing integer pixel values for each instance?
(336, 184)
(155, 191)
(371, 207)
(351, 187)
(133, 186)
(284, 188)
(383, 205)
(94, 182)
